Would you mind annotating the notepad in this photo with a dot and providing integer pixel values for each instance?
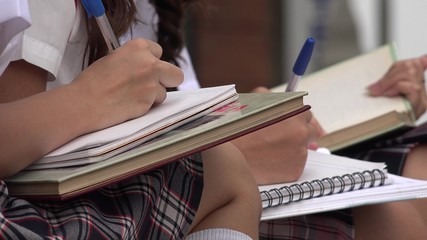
(180, 107)
(326, 174)
(306, 197)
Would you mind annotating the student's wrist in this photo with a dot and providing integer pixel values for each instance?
(83, 105)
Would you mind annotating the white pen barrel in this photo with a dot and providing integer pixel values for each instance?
(293, 83)
(107, 32)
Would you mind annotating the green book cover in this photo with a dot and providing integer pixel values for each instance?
(251, 112)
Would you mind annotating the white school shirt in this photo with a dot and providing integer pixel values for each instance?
(14, 19)
(57, 39)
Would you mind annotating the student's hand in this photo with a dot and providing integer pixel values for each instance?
(127, 82)
(118, 87)
(404, 78)
(318, 132)
(278, 153)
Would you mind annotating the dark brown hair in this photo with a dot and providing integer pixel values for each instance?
(122, 14)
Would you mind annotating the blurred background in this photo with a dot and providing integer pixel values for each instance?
(252, 43)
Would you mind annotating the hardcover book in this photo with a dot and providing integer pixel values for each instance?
(250, 112)
(343, 107)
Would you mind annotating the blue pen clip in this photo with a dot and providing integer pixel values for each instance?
(95, 8)
(304, 57)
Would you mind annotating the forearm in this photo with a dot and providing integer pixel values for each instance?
(121, 86)
(270, 163)
(34, 126)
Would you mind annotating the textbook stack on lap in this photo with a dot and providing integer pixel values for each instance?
(92, 161)
(180, 107)
(330, 182)
(340, 101)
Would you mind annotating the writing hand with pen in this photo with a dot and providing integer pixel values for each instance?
(278, 153)
(128, 81)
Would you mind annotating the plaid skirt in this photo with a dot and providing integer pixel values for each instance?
(160, 204)
(339, 224)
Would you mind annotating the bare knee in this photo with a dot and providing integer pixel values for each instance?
(416, 164)
(230, 197)
(396, 220)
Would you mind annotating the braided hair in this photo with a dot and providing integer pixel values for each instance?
(122, 14)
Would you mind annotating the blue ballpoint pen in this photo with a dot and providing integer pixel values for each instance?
(300, 64)
(96, 9)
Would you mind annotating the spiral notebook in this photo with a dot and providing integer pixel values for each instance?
(326, 174)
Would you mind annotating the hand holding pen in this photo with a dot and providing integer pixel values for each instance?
(298, 71)
(301, 64)
(95, 8)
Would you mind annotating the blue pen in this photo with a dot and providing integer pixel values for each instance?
(96, 9)
(300, 64)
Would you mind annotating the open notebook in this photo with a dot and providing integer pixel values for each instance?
(180, 107)
(341, 103)
(330, 182)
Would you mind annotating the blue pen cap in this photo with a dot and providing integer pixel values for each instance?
(94, 7)
(304, 57)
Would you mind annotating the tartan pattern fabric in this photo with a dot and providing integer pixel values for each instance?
(336, 225)
(339, 224)
(393, 155)
(160, 204)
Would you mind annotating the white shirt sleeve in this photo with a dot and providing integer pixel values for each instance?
(9, 52)
(45, 41)
(14, 18)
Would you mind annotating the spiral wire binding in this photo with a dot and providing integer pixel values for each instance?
(318, 188)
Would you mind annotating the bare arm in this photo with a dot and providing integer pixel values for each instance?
(121, 86)
(21, 80)
(34, 126)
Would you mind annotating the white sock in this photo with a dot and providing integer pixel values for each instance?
(218, 234)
